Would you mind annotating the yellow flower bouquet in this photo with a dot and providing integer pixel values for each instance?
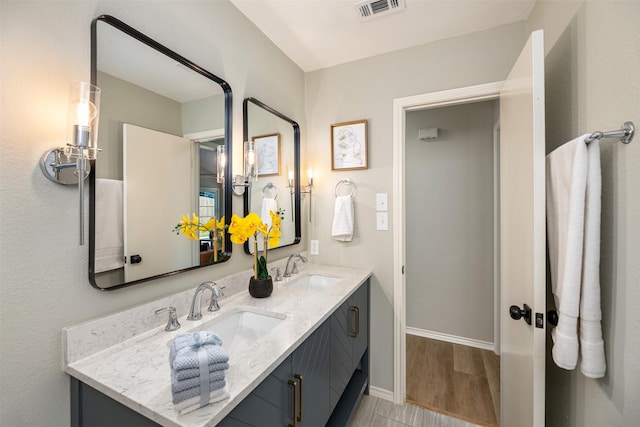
(241, 229)
(192, 227)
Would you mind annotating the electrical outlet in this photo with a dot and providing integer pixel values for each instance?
(314, 248)
(382, 221)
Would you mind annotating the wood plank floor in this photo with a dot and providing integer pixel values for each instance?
(455, 380)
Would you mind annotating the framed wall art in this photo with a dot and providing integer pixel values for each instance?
(268, 152)
(349, 145)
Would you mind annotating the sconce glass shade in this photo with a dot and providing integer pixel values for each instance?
(82, 121)
(250, 162)
(221, 163)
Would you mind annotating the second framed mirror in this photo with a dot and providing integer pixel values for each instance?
(277, 144)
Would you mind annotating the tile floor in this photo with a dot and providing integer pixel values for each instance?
(376, 412)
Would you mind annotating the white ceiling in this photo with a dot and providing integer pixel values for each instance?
(317, 34)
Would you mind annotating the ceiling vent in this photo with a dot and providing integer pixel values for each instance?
(369, 9)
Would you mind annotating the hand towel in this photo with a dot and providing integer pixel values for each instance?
(184, 350)
(178, 385)
(185, 374)
(195, 391)
(194, 403)
(573, 172)
(343, 219)
(268, 205)
(109, 231)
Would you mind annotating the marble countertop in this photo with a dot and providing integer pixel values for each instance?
(125, 358)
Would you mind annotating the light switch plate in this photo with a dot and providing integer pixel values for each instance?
(382, 221)
(382, 202)
(314, 247)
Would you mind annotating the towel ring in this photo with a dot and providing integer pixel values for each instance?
(347, 181)
(268, 187)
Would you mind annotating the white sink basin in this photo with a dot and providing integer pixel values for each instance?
(242, 326)
(313, 282)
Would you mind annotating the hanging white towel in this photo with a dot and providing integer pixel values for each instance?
(268, 205)
(343, 219)
(109, 239)
(573, 229)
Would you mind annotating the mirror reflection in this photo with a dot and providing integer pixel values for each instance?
(161, 121)
(277, 144)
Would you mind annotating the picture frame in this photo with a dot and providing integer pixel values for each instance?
(349, 146)
(268, 153)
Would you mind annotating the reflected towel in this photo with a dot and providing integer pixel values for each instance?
(109, 232)
(193, 403)
(343, 219)
(573, 224)
(268, 205)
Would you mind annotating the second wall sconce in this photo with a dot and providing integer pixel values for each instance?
(69, 165)
(241, 182)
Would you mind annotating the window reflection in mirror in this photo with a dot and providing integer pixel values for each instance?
(277, 142)
(161, 122)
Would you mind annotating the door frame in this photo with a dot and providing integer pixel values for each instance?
(483, 92)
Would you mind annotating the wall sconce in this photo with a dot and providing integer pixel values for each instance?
(221, 163)
(250, 169)
(309, 187)
(68, 165)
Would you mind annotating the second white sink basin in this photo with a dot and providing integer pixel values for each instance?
(313, 282)
(242, 326)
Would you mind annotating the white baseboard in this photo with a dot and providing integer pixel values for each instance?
(470, 342)
(381, 393)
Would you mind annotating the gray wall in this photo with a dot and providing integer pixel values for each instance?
(593, 83)
(365, 89)
(449, 221)
(44, 286)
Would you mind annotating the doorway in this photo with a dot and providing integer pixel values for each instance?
(450, 258)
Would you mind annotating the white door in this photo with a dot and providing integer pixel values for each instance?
(522, 242)
(158, 190)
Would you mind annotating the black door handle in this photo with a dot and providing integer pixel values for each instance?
(518, 313)
(552, 317)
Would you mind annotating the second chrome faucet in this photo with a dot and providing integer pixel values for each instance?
(294, 269)
(195, 313)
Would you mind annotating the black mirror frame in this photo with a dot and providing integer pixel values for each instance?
(296, 165)
(132, 32)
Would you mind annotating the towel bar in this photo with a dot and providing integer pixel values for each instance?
(347, 181)
(625, 134)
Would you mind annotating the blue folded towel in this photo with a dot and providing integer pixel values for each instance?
(195, 391)
(182, 385)
(185, 374)
(184, 350)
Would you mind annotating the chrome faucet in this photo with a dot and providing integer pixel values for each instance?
(216, 292)
(294, 270)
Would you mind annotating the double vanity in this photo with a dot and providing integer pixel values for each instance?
(298, 357)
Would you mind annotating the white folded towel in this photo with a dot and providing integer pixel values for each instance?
(343, 219)
(109, 233)
(192, 404)
(268, 205)
(573, 224)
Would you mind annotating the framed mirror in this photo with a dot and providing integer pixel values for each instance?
(161, 121)
(277, 144)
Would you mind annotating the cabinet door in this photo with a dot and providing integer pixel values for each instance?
(310, 368)
(269, 404)
(341, 352)
(359, 316)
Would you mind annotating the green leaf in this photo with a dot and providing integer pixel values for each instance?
(263, 271)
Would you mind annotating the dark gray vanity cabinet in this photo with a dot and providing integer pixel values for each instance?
(299, 387)
(319, 383)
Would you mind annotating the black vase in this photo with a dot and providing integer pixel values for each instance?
(260, 288)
